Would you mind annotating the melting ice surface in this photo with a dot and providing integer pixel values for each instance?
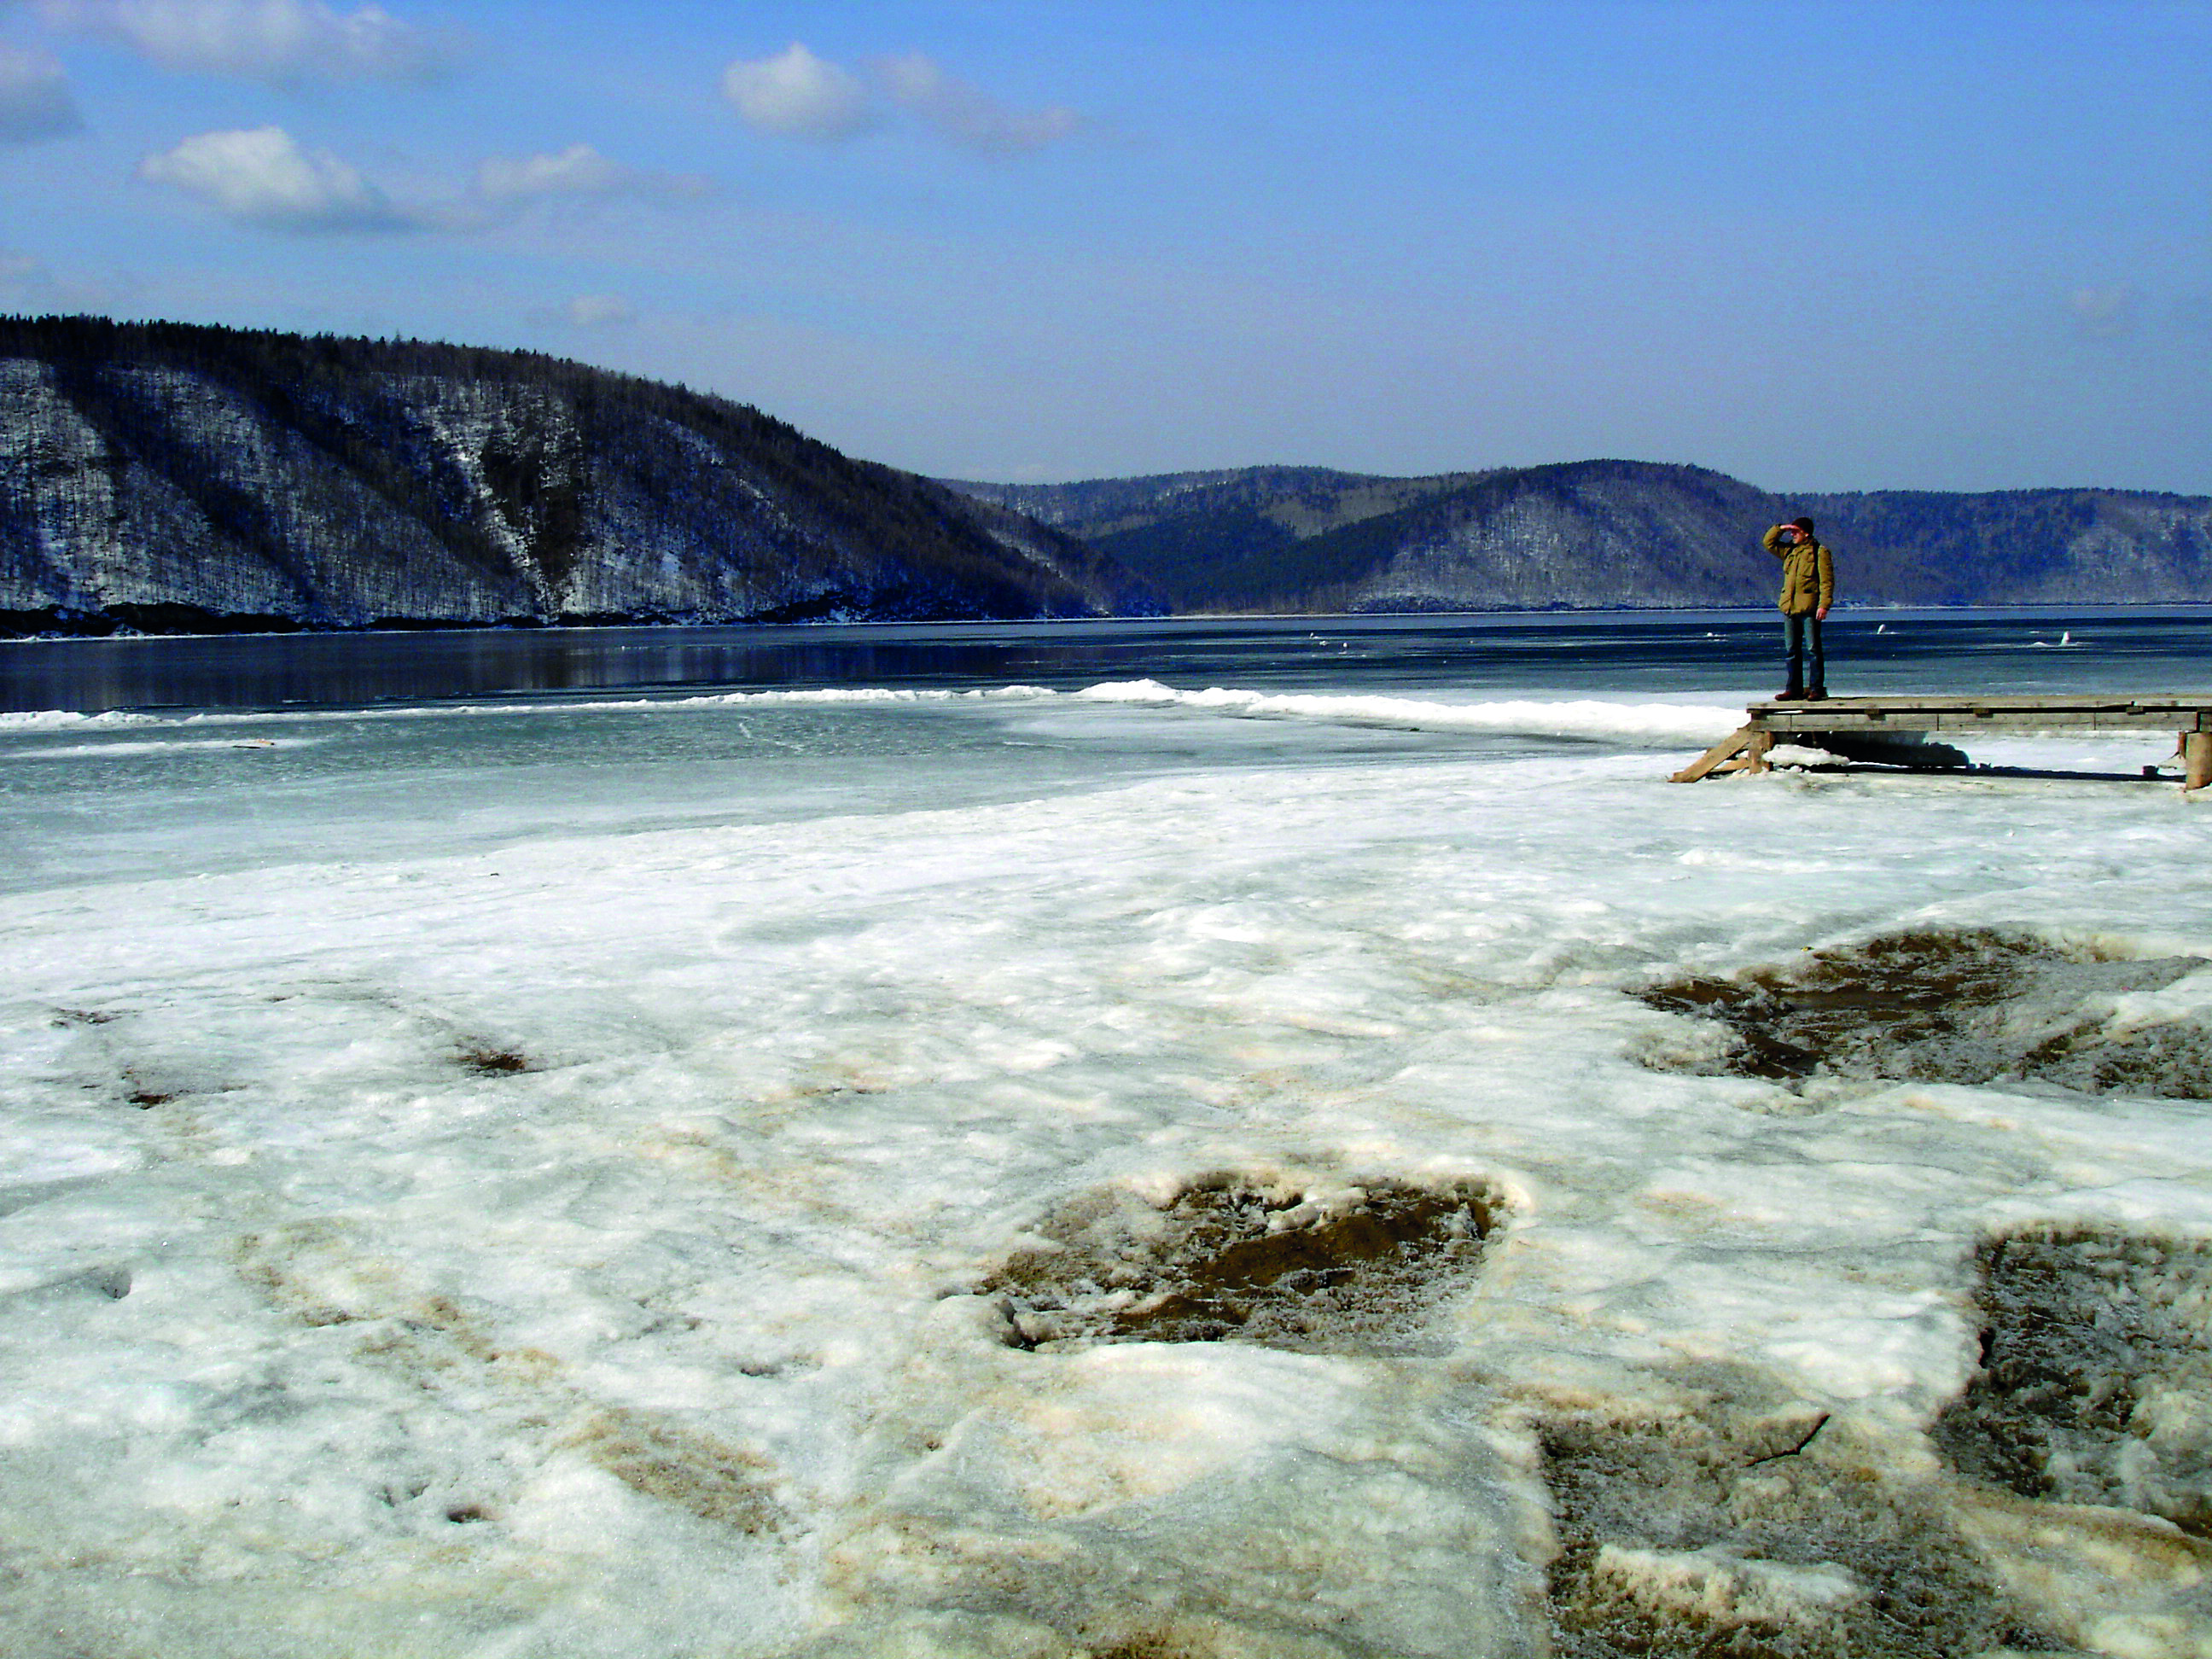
(530, 1176)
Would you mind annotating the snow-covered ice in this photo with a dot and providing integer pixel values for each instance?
(528, 1183)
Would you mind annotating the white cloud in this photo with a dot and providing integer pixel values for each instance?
(34, 98)
(579, 171)
(966, 115)
(278, 40)
(796, 94)
(263, 176)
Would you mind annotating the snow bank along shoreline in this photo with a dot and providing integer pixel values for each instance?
(1452, 1207)
(1660, 724)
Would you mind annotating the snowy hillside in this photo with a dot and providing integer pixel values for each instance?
(170, 478)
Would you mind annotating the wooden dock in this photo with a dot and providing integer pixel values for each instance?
(1922, 733)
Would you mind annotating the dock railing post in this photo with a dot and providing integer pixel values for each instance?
(2197, 760)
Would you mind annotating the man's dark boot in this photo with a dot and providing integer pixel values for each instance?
(1816, 694)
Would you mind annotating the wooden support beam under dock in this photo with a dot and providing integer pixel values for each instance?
(1902, 730)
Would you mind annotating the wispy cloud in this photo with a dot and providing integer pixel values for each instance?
(2103, 314)
(283, 41)
(264, 177)
(795, 94)
(20, 273)
(28, 283)
(965, 116)
(34, 98)
(589, 311)
(581, 173)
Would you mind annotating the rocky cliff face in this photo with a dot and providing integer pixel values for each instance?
(1596, 534)
(161, 477)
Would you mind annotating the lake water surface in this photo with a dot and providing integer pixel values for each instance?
(2008, 651)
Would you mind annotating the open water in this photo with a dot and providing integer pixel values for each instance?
(1990, 651)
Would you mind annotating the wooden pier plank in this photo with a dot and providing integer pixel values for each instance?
(2161, 712)
(2189, 714)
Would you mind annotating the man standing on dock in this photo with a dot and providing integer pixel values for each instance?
(1808, 588)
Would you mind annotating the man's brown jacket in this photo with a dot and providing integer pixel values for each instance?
(1808, 574)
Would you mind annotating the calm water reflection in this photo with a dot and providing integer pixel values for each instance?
(1994, 651)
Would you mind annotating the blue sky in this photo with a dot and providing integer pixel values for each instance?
(1904, 244)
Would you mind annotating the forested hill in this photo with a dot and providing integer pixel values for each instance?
(163, 478)
(1611, 533)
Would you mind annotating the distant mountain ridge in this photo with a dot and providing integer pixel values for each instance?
(165, 477)
(1601, 534)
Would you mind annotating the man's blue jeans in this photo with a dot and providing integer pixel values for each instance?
(1801, 643)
